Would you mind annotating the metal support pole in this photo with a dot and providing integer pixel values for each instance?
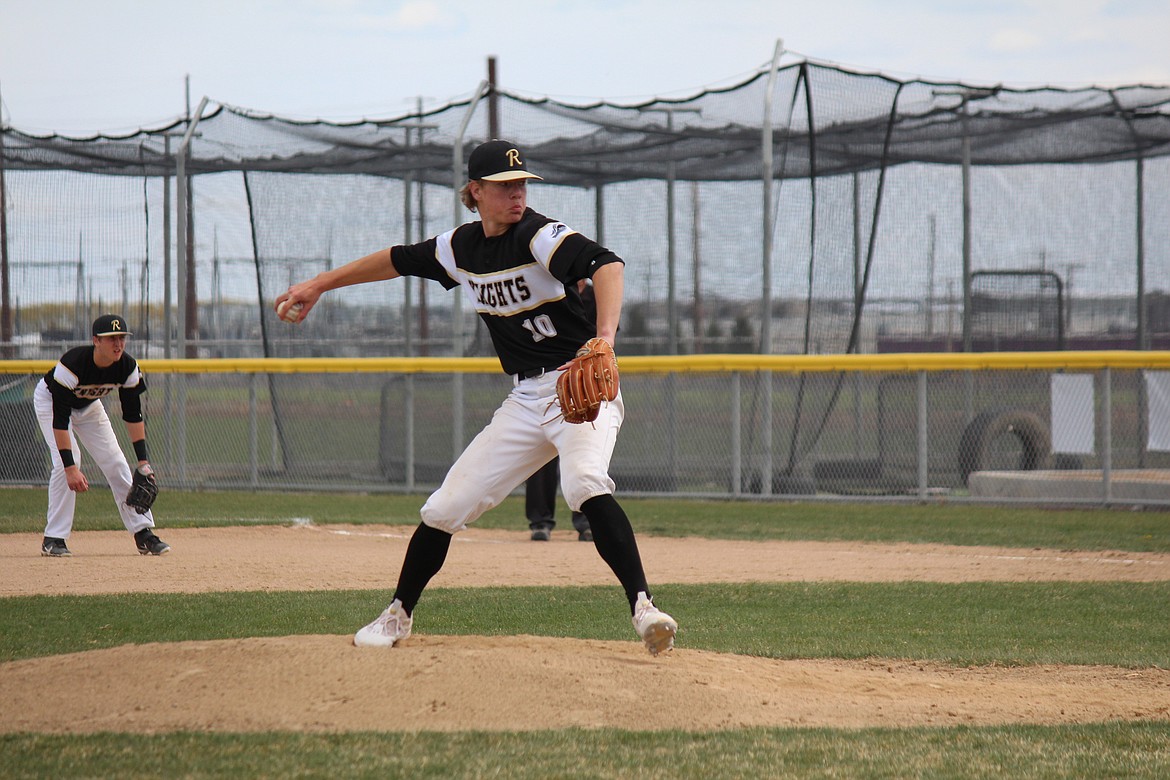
(599, 214)
(930, 262)
(966, 232)
(408, 325)
(767, 158)
(696, 268)
(167, 303)
(458, 178)
(253, 432)
(965, 96)
(736, 434)
(1107, 434)
(671, 263)
(1143, 337)
(408, 304)
(181, 208)
(923, 438)
(7, 334)
(408, 431)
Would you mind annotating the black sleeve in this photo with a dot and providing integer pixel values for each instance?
(420, 260)
(131, 398)
(133, 385)
(62, 410)
(578, 258)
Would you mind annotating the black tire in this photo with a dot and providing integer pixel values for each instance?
(975, 447)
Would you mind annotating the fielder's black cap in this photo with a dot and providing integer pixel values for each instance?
(110, 325)
(498, 161)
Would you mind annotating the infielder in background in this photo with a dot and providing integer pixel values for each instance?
(69, 411)
(519, 269)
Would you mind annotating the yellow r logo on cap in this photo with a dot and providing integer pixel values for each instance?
(115, 325)
(514, 158)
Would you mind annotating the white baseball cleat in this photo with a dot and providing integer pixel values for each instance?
(389, 627)
(655, 627)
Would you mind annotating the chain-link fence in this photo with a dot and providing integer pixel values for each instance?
(1044, 428)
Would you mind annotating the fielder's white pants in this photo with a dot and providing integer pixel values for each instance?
(524, 434)
(91, 426)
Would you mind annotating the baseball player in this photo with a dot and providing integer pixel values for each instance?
(68, 409)
(519, 270)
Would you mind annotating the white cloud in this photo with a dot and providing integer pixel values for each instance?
(422, 14)
(1014, 39)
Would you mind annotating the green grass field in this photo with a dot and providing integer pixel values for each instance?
(1122, 624)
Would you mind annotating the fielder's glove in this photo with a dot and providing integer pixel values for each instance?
(590, 380)
(143, 490)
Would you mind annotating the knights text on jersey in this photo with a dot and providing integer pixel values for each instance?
(77, 381)
(522, 284)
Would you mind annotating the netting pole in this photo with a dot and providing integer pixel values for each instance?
(599, 213)
(6, 334)
(253, 432)
(923, 445)
(168, 417)
(766, 155)
(766, 150)
(184, 276)
(1107, 434)
(167, 255)
(457, 336)
(736, 434)
(183, 196)
(1143, 339)
(858, 302)
(408, 322)
(280, 442)
(79, 304)
(696, 268)
(966, 229)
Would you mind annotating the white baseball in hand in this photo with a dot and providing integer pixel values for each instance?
(289, 311)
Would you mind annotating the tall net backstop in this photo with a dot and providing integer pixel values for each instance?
(809, 209)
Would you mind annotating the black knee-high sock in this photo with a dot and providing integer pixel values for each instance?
(614, 539)
(424, 557)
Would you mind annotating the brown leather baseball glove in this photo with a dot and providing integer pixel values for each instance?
(590, 380)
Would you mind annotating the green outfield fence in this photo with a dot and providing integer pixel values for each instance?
(1039, 427)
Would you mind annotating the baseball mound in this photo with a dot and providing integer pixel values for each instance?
(447, 683)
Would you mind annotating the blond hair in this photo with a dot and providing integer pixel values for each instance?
(466, 198)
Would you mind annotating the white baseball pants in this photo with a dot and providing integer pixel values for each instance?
(91, 426)
(525, 433)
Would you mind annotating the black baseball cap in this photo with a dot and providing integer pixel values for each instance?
(498, 161)
(110, 325)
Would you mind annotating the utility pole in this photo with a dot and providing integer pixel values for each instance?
(493, 100)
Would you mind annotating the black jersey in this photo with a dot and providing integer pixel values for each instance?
(522, 284)
(77, 381)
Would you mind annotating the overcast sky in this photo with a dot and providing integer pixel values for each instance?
(83, 66)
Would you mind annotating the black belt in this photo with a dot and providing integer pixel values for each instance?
(532, 373)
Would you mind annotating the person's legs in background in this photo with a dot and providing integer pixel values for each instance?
(540, 498)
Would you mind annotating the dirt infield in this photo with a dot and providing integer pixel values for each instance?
(322, 683)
